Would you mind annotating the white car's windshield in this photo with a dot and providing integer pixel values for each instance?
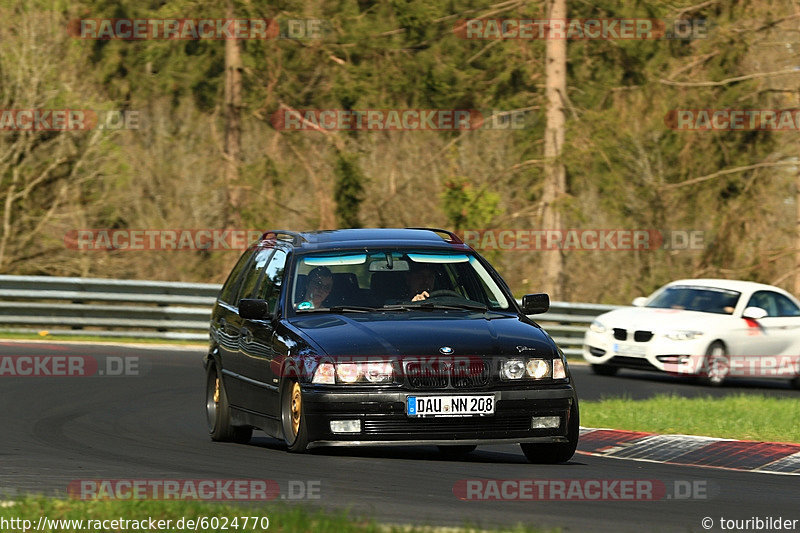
(704, 299)
(394, 279)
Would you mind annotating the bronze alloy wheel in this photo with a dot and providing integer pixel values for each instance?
(297, 408)
(294, 423)
(218, 415)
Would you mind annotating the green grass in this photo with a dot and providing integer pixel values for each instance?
(743, 416)
(282, 517)
(45, 335)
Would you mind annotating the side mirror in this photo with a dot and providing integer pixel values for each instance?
(533, 304)
(639, 302)
(754, 313)
(253, 309)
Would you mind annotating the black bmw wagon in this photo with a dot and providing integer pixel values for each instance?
(384, 337)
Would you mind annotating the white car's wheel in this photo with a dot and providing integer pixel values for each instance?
(717, 365)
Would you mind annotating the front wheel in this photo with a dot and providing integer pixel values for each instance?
(556, 452)
(292, 417)
(218, 412)
(717, 364)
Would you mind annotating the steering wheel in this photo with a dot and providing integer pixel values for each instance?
(444, 292)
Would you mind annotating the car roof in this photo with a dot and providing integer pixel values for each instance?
(429, 238)
(730, 284)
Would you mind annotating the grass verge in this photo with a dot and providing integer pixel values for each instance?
(206, 516)
(742, 416)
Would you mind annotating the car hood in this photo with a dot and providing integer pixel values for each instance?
(411, 334)
(651, 319)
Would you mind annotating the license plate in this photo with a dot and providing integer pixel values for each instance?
(450, 405)
(628, 349)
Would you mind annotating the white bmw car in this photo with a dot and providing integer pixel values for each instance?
(713, 328)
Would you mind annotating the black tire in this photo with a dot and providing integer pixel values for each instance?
(295, 432)
(556, 452)
(796, 383)
(218, 412)
(456, 451)
(716, 365)
(605, 370)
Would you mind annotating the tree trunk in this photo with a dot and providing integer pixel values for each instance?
(797, 236)
(554, 171)
(233, 126)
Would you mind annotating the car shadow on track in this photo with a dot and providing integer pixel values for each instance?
(506, 454)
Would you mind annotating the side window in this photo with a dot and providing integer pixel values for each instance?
(253, 273)
(786, 307)
(271, 282)
(231, 287)
(766, 301)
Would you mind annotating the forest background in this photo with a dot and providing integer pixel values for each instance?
(206, 153)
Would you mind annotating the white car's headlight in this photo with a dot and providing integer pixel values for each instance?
(597, 327)
(683, 335)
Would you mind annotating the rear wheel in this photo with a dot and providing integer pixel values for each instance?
(294, 423)
(456, 451)
(556, 452)
(717, 366)
(604, 370)
(218, 412)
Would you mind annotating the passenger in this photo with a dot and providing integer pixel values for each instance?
(320, 283)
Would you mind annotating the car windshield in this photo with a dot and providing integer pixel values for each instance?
(704, 299)
(393, 280)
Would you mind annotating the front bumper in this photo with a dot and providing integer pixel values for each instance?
(384, 421)
(660, 353)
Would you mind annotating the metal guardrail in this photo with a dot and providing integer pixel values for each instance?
(107, 307)
(171, 310)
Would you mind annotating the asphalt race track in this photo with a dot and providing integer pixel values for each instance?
(59, 429)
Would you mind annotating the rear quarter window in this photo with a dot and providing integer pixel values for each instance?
(231, 287)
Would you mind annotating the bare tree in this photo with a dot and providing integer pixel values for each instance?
(554, 171)
(233, 126)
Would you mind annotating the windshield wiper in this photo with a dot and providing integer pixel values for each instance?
(340, 309)
(427, 306)
(433, 305)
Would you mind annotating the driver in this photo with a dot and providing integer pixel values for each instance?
(420, 281)
(320, 283)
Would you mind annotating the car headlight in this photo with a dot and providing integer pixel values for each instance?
(683, 335)
(559, 372)
(597, 327)
(348, 372)
(379, 372)
(537, 368)
(513, 369)
(325, 374)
